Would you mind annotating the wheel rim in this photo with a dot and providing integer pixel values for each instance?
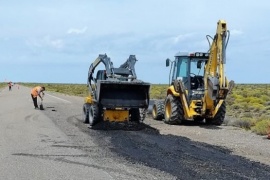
(168, 110)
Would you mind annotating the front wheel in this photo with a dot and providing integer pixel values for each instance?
(158, 110)
(174, 113)
(219, 117)
(94, 114)
(85, 113)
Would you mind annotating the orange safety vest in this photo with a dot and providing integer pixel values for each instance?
(35, 91)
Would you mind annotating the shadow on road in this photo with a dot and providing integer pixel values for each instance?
(178, 156)
(125, 126)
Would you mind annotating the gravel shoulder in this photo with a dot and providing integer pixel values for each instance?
(240, 142)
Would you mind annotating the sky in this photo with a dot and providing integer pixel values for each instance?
(56, 41)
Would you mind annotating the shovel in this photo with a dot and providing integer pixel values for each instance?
(41, 105)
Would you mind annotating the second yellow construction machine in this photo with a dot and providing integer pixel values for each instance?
(199, 87)
(115, 94)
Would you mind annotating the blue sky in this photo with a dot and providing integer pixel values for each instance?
(56, 41)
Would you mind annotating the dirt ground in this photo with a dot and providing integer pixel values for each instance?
(241, 142)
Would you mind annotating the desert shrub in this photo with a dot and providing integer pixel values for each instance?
(158, 91)
(245, 106)
(257, 107)
(261, 127)
(236, 96)
(230, 100)
(256, 100)
(2, 85)
(243, 123)
(265, 98)
(267, 108)
(69, 89)
(247, 115)
(235, 106)
(244, 93)
(256, 94)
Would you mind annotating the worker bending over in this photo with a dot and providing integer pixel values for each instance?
(37, 92)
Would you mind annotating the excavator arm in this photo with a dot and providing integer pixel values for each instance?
(106, 61)
(126, 69)
(130, 65)
(216, 83)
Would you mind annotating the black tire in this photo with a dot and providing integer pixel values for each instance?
(158, 110)
(142, 114)
(94, 114)
(134, 115)
(85, 113)
(198, 119)
(174, 113)
(219, 117)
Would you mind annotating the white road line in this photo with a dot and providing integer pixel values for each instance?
(58, 98)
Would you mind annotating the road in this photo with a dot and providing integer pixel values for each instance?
(56, 144)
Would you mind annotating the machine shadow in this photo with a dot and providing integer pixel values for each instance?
(180, 156)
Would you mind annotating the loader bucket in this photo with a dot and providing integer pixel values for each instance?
(123, 94)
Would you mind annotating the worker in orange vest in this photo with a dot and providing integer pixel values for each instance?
(9, 85)
(37, 92)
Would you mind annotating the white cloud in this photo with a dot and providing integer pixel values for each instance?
(182, 37)
(46, 41)
(77, 31)
(57, 43)
(236, 32)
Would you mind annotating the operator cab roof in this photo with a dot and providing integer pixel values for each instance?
(200, 55)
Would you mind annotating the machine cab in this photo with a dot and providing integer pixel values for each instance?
(189, 68)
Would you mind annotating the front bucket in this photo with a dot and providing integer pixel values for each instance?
(123, 94)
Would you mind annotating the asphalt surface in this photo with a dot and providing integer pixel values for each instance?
(56, 144)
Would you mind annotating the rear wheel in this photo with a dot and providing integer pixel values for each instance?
(174, 113)
(85, 113)
(143, 112)
(219, 117)
(94, 114)
(158, 110)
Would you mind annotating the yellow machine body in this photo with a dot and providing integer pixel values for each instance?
(116, 115)
(88, 99)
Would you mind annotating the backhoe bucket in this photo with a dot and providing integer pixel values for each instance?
(123, 94)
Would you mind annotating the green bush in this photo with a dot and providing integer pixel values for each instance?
(69, 89)
(245, 123)
(3, 84)
(262, 127)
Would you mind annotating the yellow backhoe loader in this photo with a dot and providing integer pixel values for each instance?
(198, 87)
